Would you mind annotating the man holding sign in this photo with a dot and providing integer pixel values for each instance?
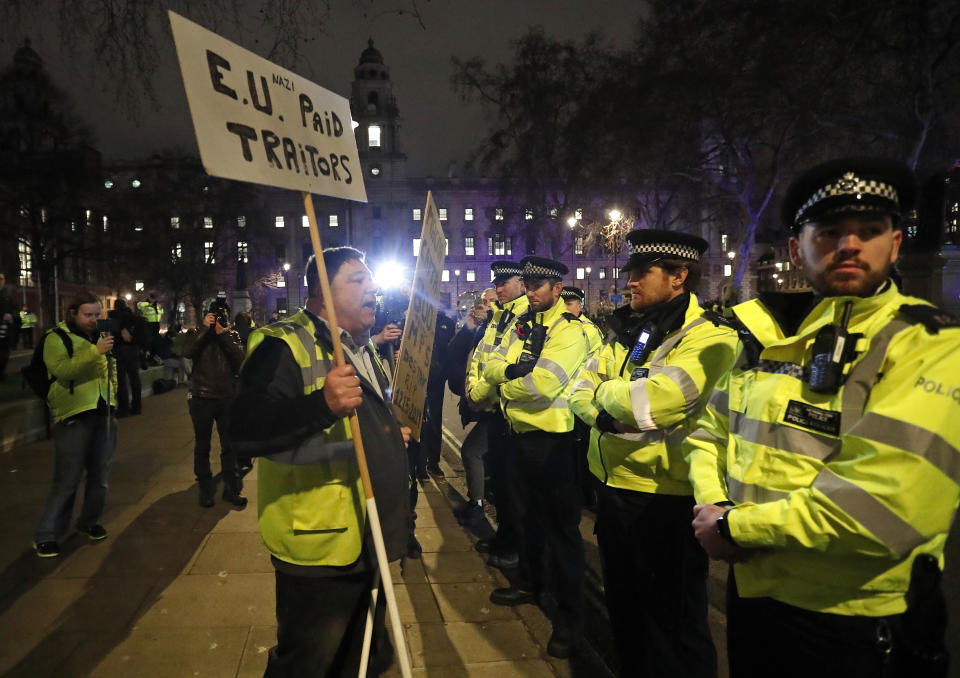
(292, 411)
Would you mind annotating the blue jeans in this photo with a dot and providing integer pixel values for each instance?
(80, 444)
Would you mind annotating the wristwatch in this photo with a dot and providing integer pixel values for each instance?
(723, 527)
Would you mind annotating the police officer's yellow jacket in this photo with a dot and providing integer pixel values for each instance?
(663, 402)
(499, 326)
(314, 512)
(151, 312)
(80, 381)
(537, 401)
(27, 320)
(594, 335)
(836, 492)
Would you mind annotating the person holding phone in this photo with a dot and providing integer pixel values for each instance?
(80, 398)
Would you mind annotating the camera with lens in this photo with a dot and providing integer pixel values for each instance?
(221, 312)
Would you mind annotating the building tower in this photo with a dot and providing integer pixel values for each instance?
(374, 107)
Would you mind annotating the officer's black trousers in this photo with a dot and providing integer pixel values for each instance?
(501, 462)
(766, 637)
(655, 578)
(551, 542)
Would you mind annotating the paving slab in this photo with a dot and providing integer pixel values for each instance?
(460, 644)
(456, 566)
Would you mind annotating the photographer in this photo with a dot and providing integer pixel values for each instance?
(216, 351)
(127, 351)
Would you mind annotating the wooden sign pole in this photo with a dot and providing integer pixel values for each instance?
(373, 515)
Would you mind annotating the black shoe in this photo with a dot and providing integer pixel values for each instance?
(244, 466)
(233, 497)
(485, 545)
(434, 470)
(47, 549)
(471, 515)
(95, 533)
(503, 561)
(414, 550)
(208, 491)
(512, 596)
(561, 643)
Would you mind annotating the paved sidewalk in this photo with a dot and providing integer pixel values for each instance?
(179, 590)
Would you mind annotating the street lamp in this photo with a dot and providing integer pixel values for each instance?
(572, 222)
(286, 269)
(456, 273)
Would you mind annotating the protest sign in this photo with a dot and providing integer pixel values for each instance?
(416, 348)
(258, 122)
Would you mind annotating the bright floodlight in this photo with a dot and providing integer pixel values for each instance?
(389, 274)
(286, 266)
(572, 222)
(615, 215)
(128, 296)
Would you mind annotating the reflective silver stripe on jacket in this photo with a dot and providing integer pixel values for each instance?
(317, 369)
(719, 400)
(688, 387)
(742, 492)
(640, 402)
(592, 364)
(783, 437)
(892, 530)
(912, 438)
(863, 376)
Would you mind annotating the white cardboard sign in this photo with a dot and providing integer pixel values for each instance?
(258, 122)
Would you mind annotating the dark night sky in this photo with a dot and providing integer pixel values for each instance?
(437, 127)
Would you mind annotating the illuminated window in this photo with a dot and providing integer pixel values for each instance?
(241, 222)
(373, 136)
(108, 184)
(333, 221)
(208, 253)
(443, 213)
(468, 248)
(602, 273)
(305, 221)
(578, 245)
(208, 222)
(446, 247)
(278, 222)
(174, 222)
(498, 245)
(528, 214)
(176, 253)
(416, 247)
(138, 286)
(727, 270)
(492, 275)
(498, 214)
(724, 241)
(25, 253)
(471, 275)
(445, 276)
(578, 214)
(242, 251)
(554, 212)
(281, 282)
(468, 214)
(580, 274)
(417, 214)
(105, 223)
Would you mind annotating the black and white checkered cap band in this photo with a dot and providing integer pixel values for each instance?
(570, 294)
(502, 271)
(535, 271)
(669, 249)
(849, 184)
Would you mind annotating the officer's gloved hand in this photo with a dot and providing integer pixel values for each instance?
(523, 367)
(605, 422)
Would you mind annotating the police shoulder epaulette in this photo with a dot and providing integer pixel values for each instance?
(571, 317)
(718, 319)
(931, 317)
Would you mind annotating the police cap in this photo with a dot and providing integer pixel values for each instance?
(649, 246)
(847, 186)
(504, 270)
(539, 268)
(570, 293)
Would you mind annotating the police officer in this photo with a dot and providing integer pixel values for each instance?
(642, 395)
(533, 368)
(499, 462)
(824, 463)
(28, 320)
(573, 297)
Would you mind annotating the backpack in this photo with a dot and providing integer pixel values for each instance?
(35, 374)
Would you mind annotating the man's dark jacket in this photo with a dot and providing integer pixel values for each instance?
(216, 362)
